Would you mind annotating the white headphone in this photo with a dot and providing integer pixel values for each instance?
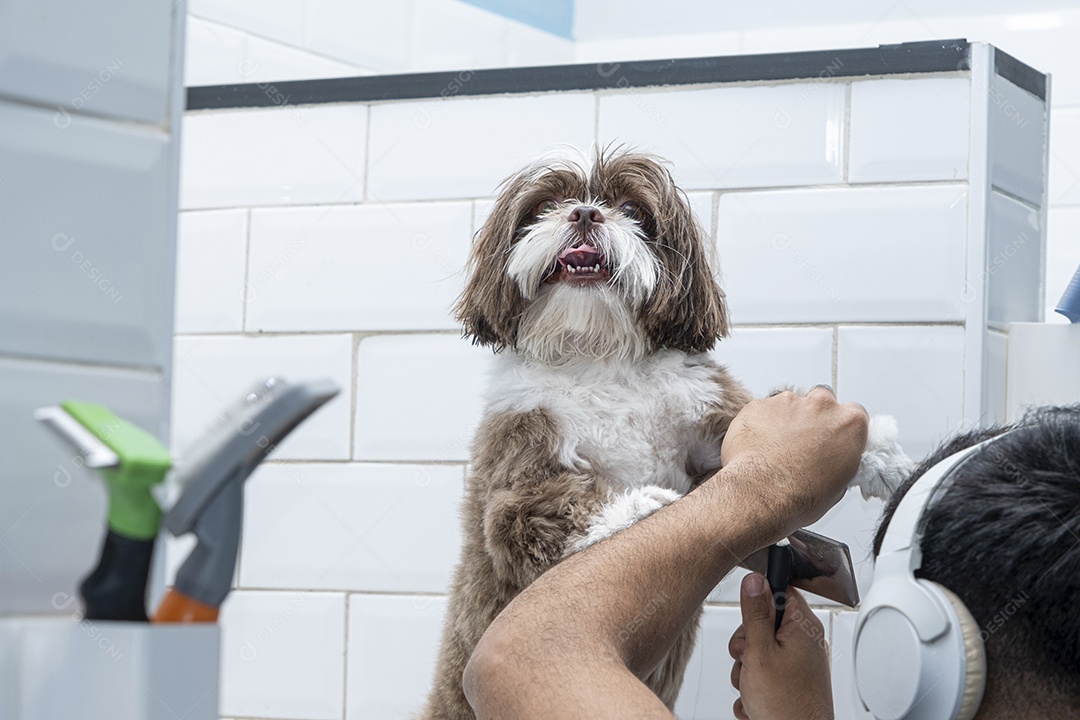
(918, 651)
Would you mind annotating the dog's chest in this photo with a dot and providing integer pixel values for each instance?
(628, 424)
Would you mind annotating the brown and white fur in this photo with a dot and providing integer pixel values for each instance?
(594, 285)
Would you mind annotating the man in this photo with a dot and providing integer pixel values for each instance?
(575, 643)
(1005, 538)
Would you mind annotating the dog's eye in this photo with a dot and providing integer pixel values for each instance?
(635, 212)
(544, 206)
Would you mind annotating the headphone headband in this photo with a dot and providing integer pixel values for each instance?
(918, 653)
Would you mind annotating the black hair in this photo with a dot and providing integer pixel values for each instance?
(1005, 537)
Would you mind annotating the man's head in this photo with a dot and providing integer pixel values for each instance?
(1005, 538)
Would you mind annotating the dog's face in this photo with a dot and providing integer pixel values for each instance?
(605, 262)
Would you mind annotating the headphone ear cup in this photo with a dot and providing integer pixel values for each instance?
(974, 652)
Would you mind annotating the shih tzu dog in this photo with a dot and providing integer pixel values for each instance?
(592, 282)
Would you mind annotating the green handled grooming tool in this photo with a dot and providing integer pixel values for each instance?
(131, 461)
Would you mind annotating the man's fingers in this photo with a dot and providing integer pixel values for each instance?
(737, 643)
(757, 613)
(739, 710)
(799, 618)
(736, 670)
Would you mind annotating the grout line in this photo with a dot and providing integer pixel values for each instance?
(715, 219)
(831, 630)
(367, 202)
(844, 323)
(364, 462)
(847, 135)
(596, 119)
(247, 271)
(317, 333)
(347, 592)
(354, 367)
(367, 155)
(456, 332)
(835, 358)
(345, 661)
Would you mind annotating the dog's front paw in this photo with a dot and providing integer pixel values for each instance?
(622, 511)
(883, 466)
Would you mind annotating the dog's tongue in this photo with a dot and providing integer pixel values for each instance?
(580, 256)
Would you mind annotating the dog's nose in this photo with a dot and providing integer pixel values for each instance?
(584, 217)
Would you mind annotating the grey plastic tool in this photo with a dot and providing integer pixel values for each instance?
(211, 505)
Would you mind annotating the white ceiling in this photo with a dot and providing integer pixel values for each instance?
(603, 19)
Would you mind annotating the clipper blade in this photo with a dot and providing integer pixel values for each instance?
(73, 435)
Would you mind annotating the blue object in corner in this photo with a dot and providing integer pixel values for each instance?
(553, 16)
(1069, 305)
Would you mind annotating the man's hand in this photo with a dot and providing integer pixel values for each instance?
(799, 453)
(781, 676)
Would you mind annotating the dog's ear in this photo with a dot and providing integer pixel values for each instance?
(687, 311)
(491, 305)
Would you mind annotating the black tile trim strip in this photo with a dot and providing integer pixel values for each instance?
(1019, 74)
(917, 57)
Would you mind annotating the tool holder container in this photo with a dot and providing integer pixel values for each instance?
(64, 667)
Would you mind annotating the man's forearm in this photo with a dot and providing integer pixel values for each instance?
(610, 613)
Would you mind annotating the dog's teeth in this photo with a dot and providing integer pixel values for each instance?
(571, 268)
(596, 267)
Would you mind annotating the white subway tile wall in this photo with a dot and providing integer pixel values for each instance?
(288, 156)
(909, 130)
(708, 693)
(393, 644)
(1014, 259)
(344, 248)
(283, 655)
(356, 267)
(1018, 136)
(780, 135)
(913, 373)
(995, 383)
(211, 261)
(883, 254)
(768, 359)
(363, 516)
(464, 147)
(234, 42)
(430, 384)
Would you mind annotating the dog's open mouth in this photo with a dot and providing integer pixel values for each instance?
(581, 264)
